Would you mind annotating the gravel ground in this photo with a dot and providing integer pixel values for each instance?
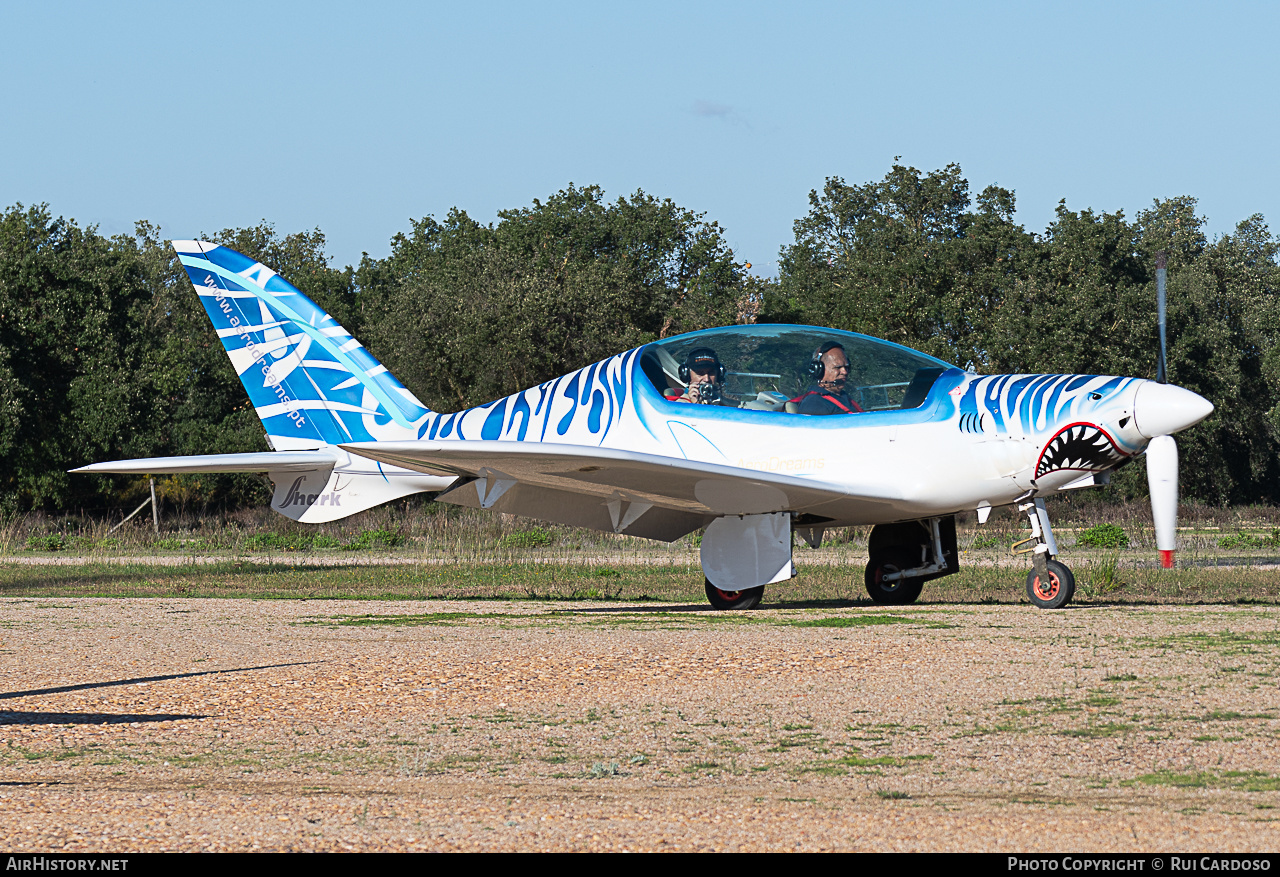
(165, 724)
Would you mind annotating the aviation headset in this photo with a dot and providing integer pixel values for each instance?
(818, 368)
(700, 357)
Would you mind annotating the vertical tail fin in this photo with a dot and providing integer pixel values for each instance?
(309, 381)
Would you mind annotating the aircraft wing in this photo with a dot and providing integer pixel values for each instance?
(609, 489)
(297, 461)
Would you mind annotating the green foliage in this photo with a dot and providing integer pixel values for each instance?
(296, 541)
(905, 259)
(51, 542)
(370, 539)
(602, 769)
(177, 543)
(1104, 536)
(1104, 576)
(69, 355)
(533, 538)
(302, 540)
(1250, 540)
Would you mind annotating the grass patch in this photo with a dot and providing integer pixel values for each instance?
(534, 538)
(864, 621)
(305, 540)
(1110, 729)
(670, 576)
(1242, 539)
(1231, 716)
(1239, 780)
(1226, 642)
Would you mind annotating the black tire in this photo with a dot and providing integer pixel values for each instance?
(900, 592)
(721, 599)
(1055, 593)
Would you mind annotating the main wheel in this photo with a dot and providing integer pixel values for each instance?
(721, 599)
(895, 593)
(1057, 591)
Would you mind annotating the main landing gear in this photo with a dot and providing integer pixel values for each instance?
(747, 599)
(906, 555)
(1050, 584)
(741, 554)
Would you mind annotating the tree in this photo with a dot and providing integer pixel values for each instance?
(904, 259)
(465, 313)
(68, 359)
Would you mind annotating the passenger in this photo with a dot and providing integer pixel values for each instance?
(703, 376)
(829, 368)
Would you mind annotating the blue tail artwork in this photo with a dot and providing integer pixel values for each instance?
(312, 385)
(310, 382)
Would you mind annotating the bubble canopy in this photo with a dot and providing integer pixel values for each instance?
(768, 364)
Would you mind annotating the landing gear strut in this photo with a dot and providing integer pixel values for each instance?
(907, 554)
(1050, 584)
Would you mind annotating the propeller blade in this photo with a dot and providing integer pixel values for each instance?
(1162, 476)
(1161, 374)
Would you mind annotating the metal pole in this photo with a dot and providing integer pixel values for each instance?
(155, 511)
(127, 517)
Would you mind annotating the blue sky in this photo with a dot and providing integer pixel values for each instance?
(355, 118)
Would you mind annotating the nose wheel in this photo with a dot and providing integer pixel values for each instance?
(1054, 589)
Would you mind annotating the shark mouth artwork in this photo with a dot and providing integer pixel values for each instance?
(1082, 447)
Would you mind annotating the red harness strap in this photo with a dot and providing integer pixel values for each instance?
(832, 399)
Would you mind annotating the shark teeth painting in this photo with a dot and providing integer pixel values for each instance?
(1082, 447)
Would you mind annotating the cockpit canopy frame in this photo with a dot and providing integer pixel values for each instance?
(766, 365)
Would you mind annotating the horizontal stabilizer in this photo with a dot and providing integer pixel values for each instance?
(317, 496)
(313, 487)
(299, 461)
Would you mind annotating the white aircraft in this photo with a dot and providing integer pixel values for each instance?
(608, 448)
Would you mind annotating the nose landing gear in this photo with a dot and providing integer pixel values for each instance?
(1050, 584)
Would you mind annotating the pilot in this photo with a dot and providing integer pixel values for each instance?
(829, 367)
(703, 376)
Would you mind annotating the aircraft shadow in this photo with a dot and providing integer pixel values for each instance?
(85, 686)
(705, 609)
(30, 718)
(172, 577)
(1225, 560)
